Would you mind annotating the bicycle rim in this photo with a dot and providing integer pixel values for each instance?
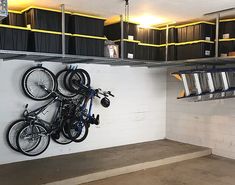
(77, 131)
(61, 87)
(76, 79)
(66, 80)
(87, 77)
(33, 81)
(28, 135)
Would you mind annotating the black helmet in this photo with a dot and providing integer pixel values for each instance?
(105, 102)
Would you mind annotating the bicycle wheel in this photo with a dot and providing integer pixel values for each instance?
(61, 87)
(77, 130)
(79, 77)
(12, 132)
(66, 80)
(87, 77)
(60, 138)
(28, 134)
(38, 83)
(65, 128)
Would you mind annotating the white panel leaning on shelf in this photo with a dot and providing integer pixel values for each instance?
(206, 84)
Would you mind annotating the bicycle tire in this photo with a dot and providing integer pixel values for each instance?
(12, 141)
(58, 140)
(68, 83)
(76, 135)
(28, 88)
(79, 73)
(33, 152)
(61, 87)
(87, 76)
(66, 80)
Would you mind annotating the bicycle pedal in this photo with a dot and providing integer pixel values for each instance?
(97, 120)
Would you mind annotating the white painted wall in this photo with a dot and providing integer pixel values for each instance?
(137, 113)
(210, 124)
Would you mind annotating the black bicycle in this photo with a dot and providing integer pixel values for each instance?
(70, 90)
(37, 76)
(26, 134)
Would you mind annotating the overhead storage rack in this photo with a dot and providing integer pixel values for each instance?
(144, 46)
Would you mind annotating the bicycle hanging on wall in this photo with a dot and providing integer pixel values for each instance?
(71, 91)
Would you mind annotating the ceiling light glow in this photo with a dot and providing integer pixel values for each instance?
(147, 21)
(19, 3)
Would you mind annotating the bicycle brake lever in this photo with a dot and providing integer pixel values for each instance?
(109, 92)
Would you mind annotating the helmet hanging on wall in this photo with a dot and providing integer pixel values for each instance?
(105, 102)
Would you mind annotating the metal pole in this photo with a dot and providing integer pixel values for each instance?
(63, 28)
(167, 39)
(217, 36)
(122, 37)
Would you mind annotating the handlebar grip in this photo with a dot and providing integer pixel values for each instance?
(110, 94)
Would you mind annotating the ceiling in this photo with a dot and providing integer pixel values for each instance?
(163, 10)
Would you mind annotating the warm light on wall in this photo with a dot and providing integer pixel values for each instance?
(148, 20)
(18, 4)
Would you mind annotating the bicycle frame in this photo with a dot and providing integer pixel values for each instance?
(90, 97)
(33, 115)
(39, 110)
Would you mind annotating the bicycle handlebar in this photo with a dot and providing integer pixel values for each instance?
(105, 93)
(109, 92)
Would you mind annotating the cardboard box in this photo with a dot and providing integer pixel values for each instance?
(231, 53)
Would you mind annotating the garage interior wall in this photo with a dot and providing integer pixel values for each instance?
(137, 113)
(209, 124)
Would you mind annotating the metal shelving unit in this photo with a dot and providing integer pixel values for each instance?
(7, 55)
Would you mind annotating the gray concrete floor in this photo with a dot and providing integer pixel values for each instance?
(210, 170)
(52, 169)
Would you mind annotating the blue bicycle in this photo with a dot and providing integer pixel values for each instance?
(77, 129)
